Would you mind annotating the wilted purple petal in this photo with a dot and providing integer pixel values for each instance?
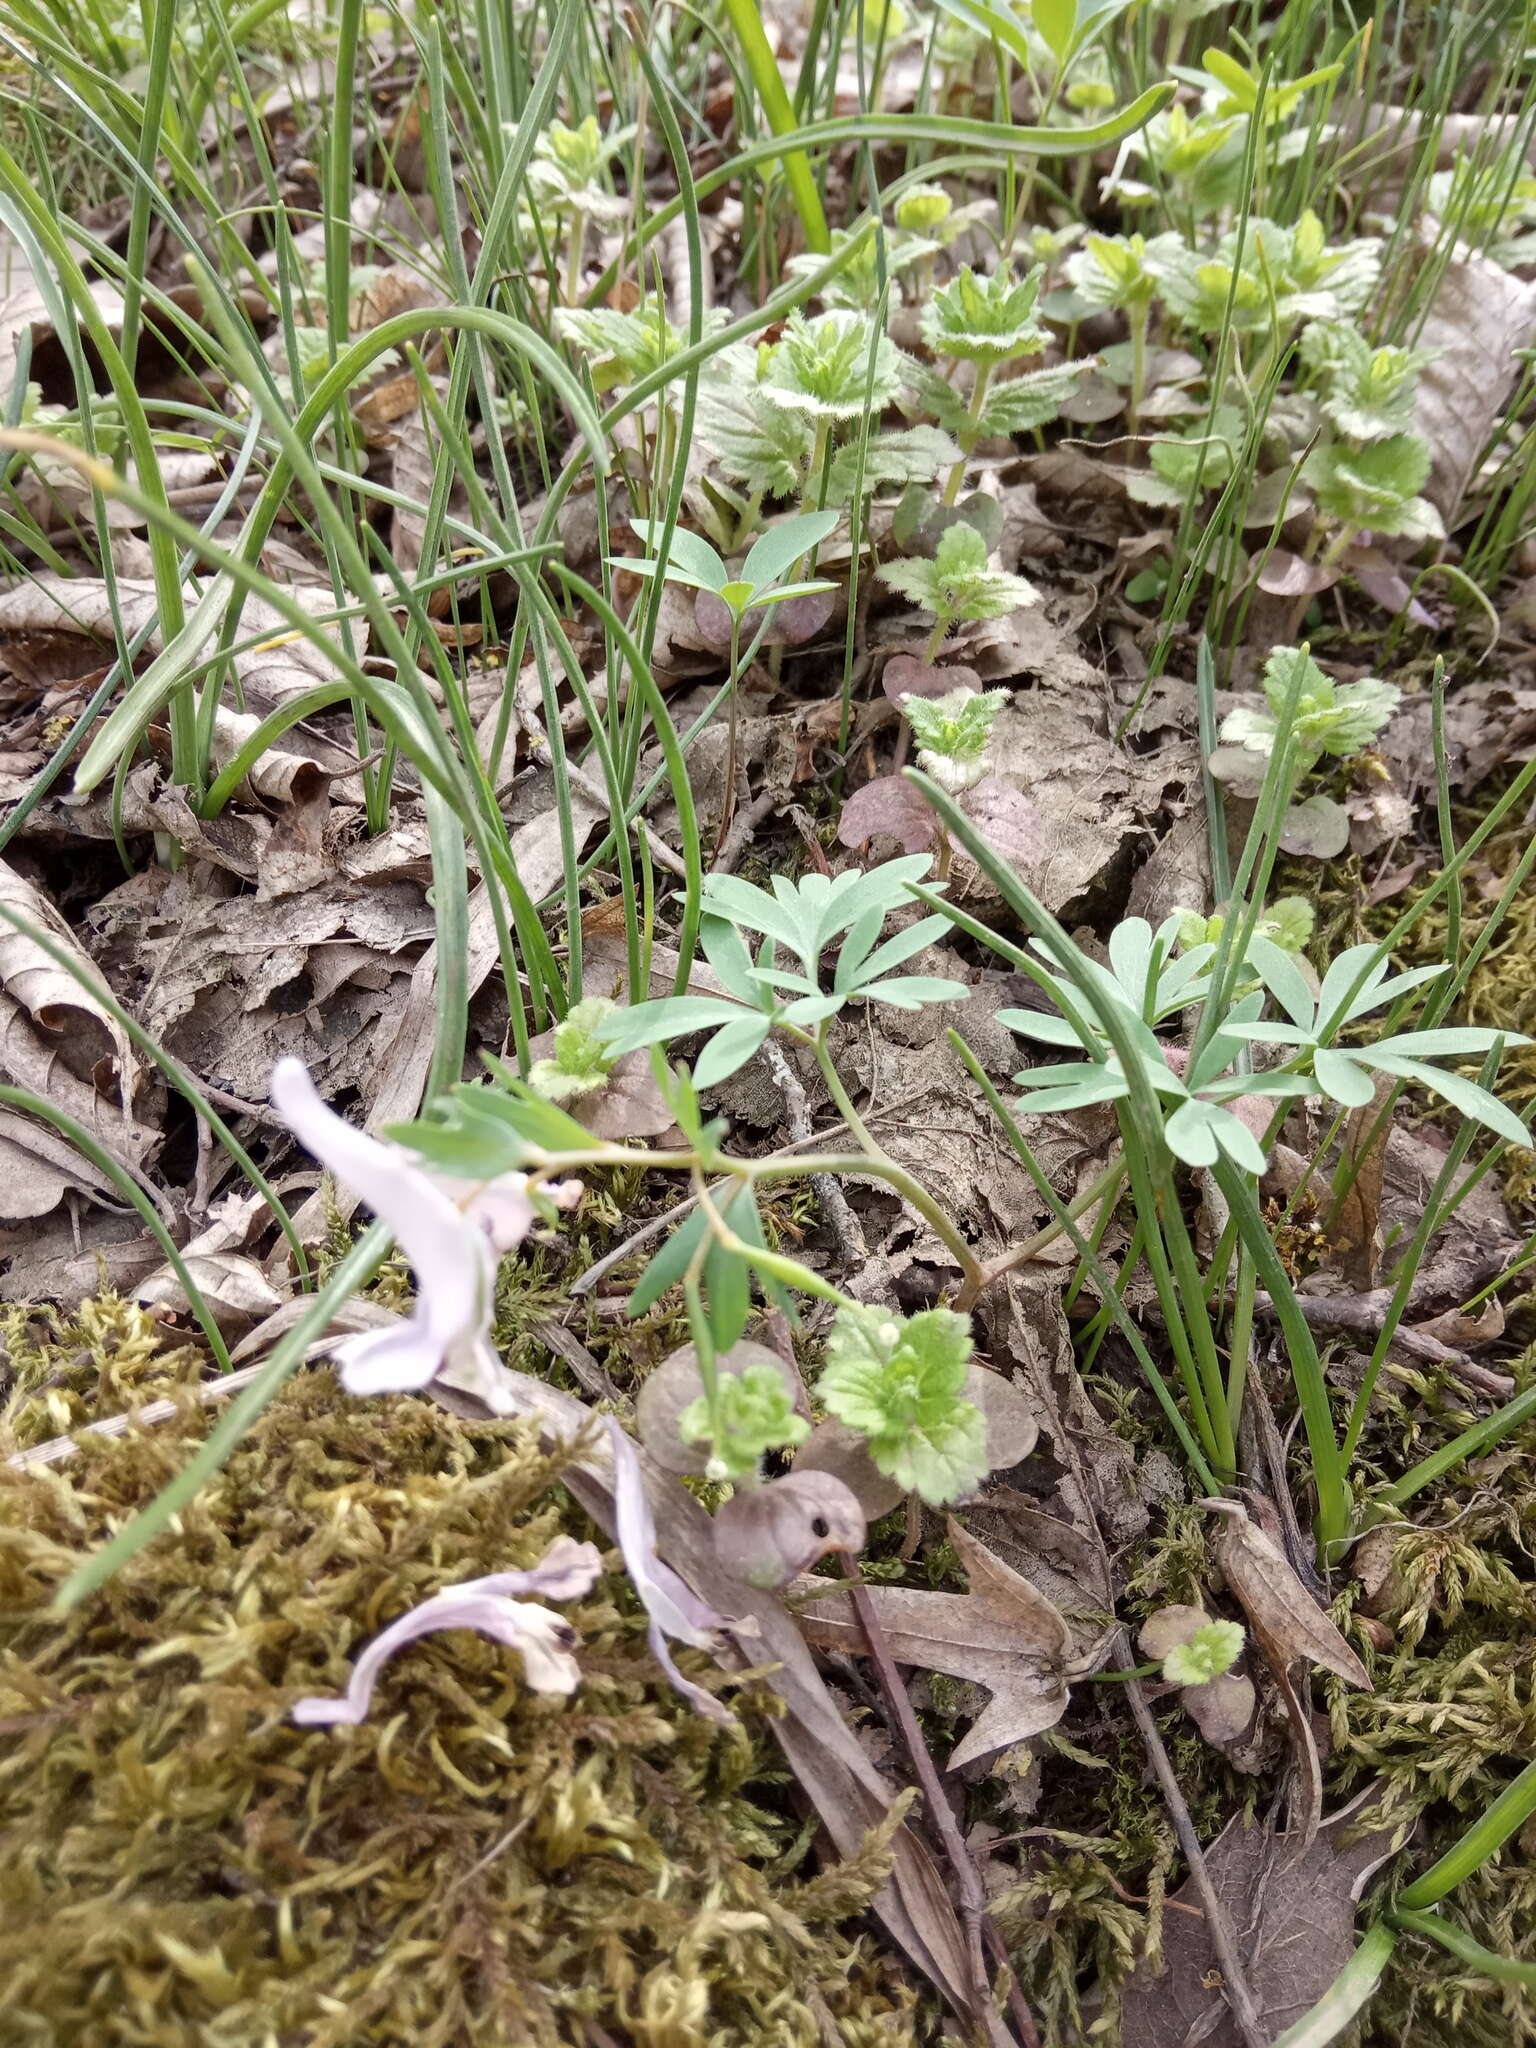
(546, 1640)
(675, 1609)
(450, 1255)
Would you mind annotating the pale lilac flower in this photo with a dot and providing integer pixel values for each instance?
(452, 1248)
(675, 1609)
(567, 1570)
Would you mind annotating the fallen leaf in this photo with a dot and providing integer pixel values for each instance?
(1479, 317)
(841, 1452)
(1003, 1633)
(1007, 820)
(1317, 826)
(905, 676)
(78, 1027)
(823, 1751)
(38, 1168)
(1288, 575)
(1287, 1622)
(1292, 1907)
(1356, 1220)
(1290, 1629)
(890, 807)
(767, 1535)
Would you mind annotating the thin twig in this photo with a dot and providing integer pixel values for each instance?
(967, 1880)
(1218, 1922)
(833, 1202)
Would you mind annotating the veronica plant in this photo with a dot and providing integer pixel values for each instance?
(957, 584)
(987, 322)
(785, 420)
(1318, 719)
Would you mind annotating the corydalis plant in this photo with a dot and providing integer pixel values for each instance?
(506, 1606)
(452, 1244)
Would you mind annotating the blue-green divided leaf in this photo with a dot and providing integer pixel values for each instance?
(926, 932)
(1042, 1025)
(669, 1264)
(1396, 985)
(782, 546)
(726, 1278)
(1343, 972)
(1418, 1045)
(687, 552)
(911, 991)
(1461, 1094)
(853, 954)
(730, 1048)
(1053, 1101)
(753, 909)
(487, 1130)
(726, 952)
(1340, 1078)
(1285, 981)
(671, 1017)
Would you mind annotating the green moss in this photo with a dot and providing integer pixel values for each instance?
(185, 1868)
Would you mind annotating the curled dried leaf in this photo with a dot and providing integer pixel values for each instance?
(768, 1535)
(842, 1454)
(1286, 1620)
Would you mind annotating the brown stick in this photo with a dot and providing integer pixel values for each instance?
(1217, 1921)
(971, 1898)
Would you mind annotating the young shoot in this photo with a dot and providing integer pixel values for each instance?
(957, 584)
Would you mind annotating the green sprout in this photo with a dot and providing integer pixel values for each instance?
(1210, 1651)
(957, 583)
(900, 1381)
(753, 1413)
(581, 1062)
(952, 734)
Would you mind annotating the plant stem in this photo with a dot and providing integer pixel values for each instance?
(970, 434)
(1138, 316)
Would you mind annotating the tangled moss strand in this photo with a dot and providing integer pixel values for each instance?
(475, 1864)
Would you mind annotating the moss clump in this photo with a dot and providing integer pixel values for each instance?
(182, 1867)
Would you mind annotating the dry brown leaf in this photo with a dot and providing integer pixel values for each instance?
(890, 807)
(832, 1447)
(38, 1168)
(1003, 1633)
(1286, 1620)
(1292, 1907)
(81, 1030)
(1479, 317)
(767, 1535)
(1356, 1221)
(1290, 1629)
(281, 663)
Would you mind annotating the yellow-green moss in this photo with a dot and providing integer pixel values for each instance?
(182, 1867)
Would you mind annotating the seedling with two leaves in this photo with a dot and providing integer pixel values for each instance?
(754, 590)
